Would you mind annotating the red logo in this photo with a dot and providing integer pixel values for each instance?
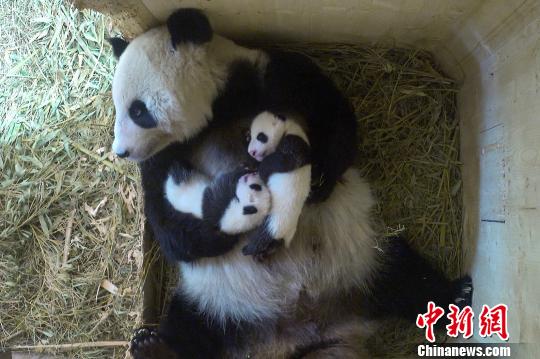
(460, 321)
(429, 319)
(493, 321)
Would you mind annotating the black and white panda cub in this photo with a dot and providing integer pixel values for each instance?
(282, 148)
(233, 203)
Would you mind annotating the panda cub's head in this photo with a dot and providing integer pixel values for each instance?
(265, 133)
(164, 85)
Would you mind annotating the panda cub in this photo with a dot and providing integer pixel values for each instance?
(282, 148)
(233, 203)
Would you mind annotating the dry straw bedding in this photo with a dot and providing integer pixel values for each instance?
(70, 213)
(70, 227)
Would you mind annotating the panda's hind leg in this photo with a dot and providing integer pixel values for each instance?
(343, 339)
(407, 282)
(187, 333)
(463, 289)
(148, 344)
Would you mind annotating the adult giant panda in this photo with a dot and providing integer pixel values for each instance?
(184, 98)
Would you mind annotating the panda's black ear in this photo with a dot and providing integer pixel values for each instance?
(189, 25)
(118, 44)
(281, 117)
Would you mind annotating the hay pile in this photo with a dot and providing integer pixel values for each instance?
(71, 223)
(70, 233)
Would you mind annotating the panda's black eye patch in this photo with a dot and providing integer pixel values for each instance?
(261, 137)
(255, 187)
(140, 115)
(250, 210)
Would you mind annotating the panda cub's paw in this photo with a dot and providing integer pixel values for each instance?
(147, 344)
(184, 189)
(261, 244)
(249, 207)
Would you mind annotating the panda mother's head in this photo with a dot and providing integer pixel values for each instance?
(164, 85)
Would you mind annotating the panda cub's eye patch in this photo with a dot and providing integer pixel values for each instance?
(255, 187)
(261, 137)
(249, 210)
(140, 115)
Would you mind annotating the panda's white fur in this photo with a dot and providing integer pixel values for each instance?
(290, 189)
(234, 286)
(151, 70)
(289, 193)
(187, 197)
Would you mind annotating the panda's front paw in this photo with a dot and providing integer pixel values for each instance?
(249, 207)
(261, 243)
(147, 344)
(261, 250)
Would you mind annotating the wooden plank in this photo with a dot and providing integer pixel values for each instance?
(501, 155)
(131, 17)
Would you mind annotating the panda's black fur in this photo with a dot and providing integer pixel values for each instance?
(118, 45)
(406, 271)
(292, 153)
(140, 115)
(189, 26)
(291, 83)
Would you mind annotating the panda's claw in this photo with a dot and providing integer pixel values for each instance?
(143, 331)
(148, 344)
(262, 250)
(464, 292)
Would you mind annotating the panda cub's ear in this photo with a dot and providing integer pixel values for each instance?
(118, 44)
(189, 26)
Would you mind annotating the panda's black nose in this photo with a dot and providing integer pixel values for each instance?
(123, 154)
